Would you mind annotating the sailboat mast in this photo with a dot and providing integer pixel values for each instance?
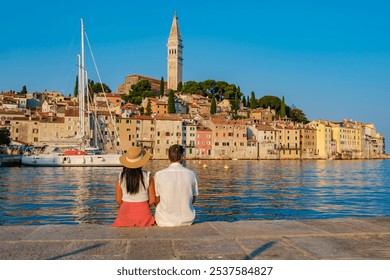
(82, 88)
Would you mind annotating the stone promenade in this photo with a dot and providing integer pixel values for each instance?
(333, 239)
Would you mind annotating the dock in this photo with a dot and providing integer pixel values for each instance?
(330, 239)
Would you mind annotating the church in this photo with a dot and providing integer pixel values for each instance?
(174, 64)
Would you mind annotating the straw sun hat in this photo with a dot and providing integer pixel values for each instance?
(135, 157)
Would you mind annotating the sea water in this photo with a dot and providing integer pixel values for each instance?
(228, 191)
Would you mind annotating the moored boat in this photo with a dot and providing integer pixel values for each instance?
(84, 154)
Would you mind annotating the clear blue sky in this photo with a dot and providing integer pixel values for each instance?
(329, 58)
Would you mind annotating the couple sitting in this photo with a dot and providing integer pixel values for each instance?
(172, 190)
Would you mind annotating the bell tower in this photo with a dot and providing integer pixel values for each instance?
(175, 55)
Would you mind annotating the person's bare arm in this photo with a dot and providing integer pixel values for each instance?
(118, 193)
(152, 191)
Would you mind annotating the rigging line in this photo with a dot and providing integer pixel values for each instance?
(100, 80)
(97, 128)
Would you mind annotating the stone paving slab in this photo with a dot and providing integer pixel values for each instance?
(11, 233)
(268, 248)
(23, 250)
(151, 250)
(207, 246)
(245, 240)
(256, 228)
(84, 232)
(188, 232)
(328, 247)
(348, 225)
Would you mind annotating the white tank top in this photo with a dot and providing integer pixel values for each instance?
(142, 195)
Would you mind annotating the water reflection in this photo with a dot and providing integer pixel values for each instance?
(247, 190)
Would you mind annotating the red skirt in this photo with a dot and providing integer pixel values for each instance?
(134, 214)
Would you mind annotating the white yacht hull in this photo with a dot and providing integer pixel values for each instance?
(72, 160)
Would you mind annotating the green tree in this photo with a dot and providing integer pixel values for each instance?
(253, 101)
(282, 108)
(209, 87)
(297, 115)
(270, 101)
(76, 87)
(191, 87)
(230, 92)
(235, 104)
(5, 136)
(162, 87)
(149, 108)
(24, 90)
(99, 87)
(213, 108)
(244, 101)
(139, 91)
(171, 102)
(180, 86)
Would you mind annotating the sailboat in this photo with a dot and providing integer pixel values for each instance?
(84, 154)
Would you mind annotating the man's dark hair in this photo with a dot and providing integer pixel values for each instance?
(175, 153)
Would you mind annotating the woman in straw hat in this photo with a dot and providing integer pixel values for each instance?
(134, 190)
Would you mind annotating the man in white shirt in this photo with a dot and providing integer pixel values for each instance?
(176, 189)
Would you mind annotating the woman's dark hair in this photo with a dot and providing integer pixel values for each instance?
(132, 177)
